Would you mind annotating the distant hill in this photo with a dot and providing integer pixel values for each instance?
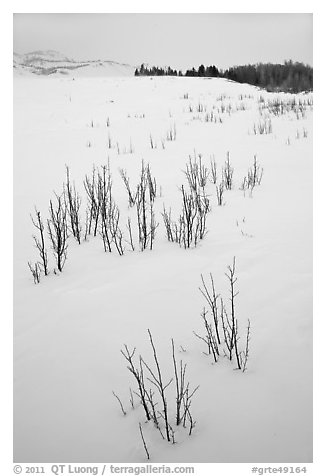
(53, 63)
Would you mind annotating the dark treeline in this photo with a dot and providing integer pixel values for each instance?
(205, 72)
(289, 77)
(156, 71)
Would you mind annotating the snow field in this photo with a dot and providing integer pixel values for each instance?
(70, 328)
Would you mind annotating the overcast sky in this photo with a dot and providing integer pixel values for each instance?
(179, 40)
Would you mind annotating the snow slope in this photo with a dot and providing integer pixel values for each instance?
(70, 328)
(53, 63)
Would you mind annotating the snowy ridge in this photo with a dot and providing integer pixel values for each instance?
(54, 63)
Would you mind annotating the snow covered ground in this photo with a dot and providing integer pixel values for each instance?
(69, 329)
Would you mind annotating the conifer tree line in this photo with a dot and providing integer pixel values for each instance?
(157, 71)
(289, 77)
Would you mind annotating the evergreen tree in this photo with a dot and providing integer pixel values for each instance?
(201, 70)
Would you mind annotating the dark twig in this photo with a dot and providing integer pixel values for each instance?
(121, 406)
(143, 439)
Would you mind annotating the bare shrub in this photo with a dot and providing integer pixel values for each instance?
(209, 338)
(253, 177)
(244, 355)
(234, 337)
(109, 212)
(147, 224)
(126, 181)
(73, 202)
(192, 223)
(115, 230)
(158, 411)
(196, 173)
(104, 205)
(58, 231)
(263, 127)
(168, 224)
(211, 297)
(157, 381)
(227, 173)
(93, 204)
(183, 393)
(152, 142)
(40, 245)
(139, 377)
(36, 271)
(220, 193)
(213, 173)
(171, 134)
(129, 228)
(223, 323)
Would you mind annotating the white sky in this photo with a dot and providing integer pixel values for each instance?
(179, 40)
